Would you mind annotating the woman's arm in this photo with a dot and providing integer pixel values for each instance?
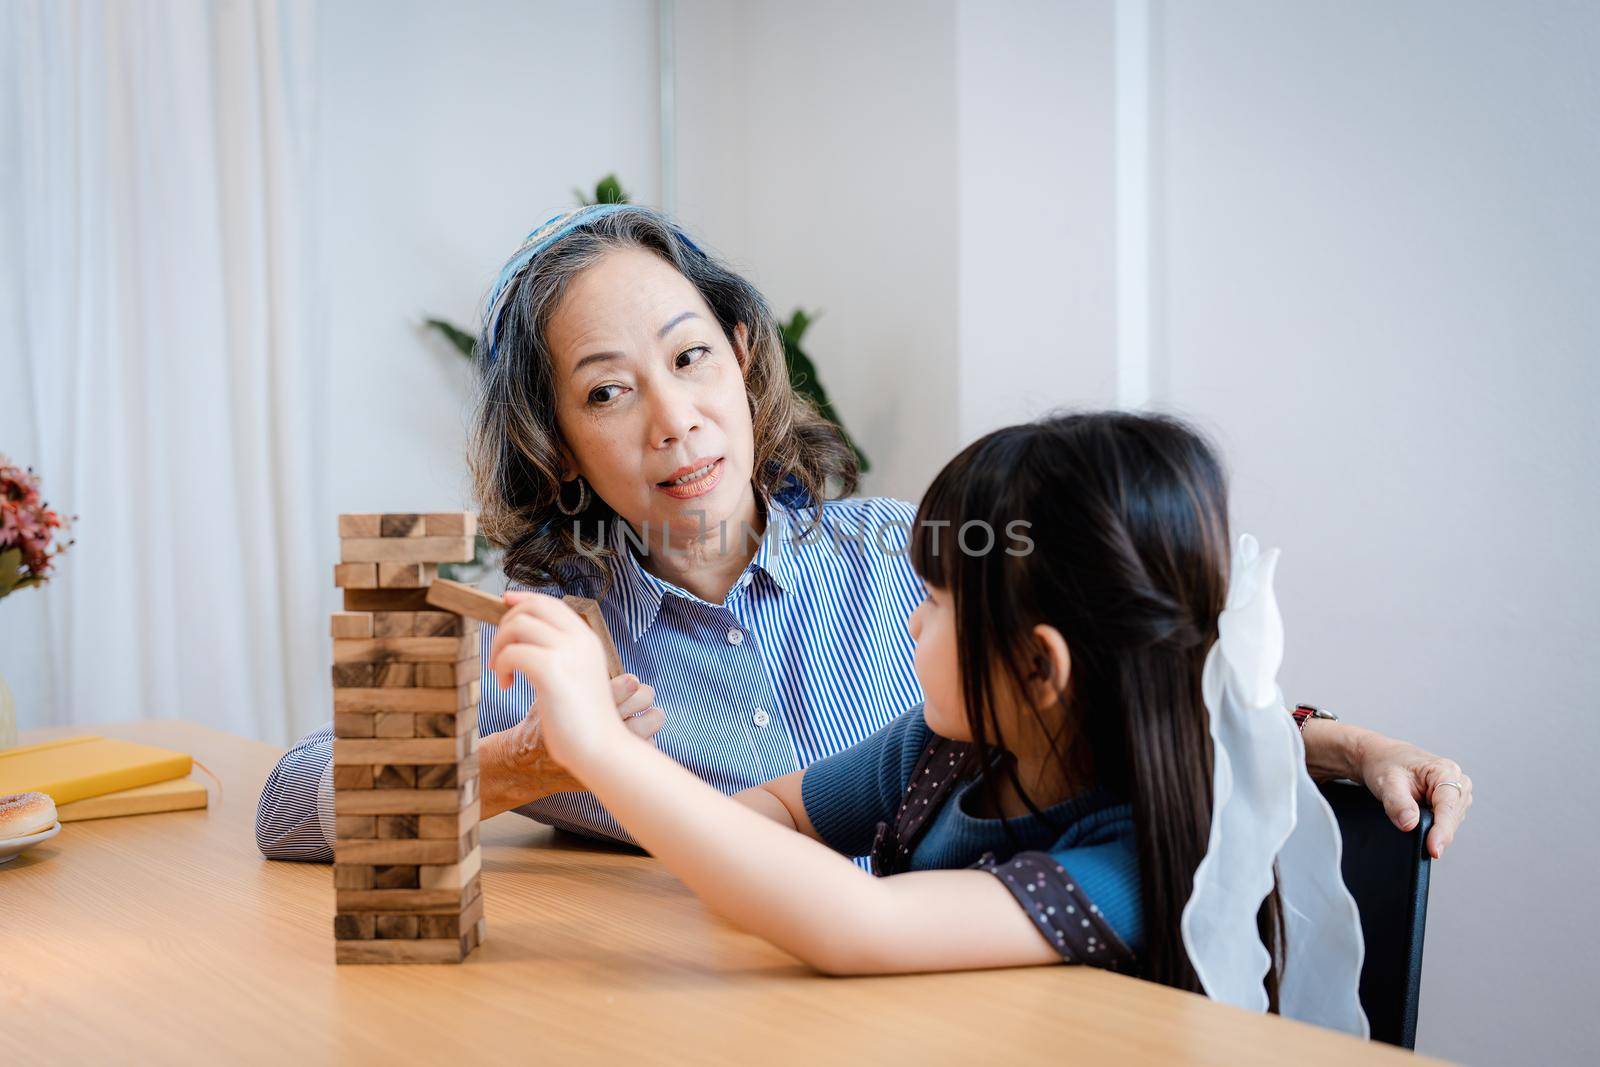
(781, 885)
(1397, 772)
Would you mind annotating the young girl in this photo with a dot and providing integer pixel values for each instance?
(1052, 798)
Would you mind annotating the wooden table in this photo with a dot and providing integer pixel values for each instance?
(168, 938)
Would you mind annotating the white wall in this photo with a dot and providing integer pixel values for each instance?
(817, 150)
(1375, 234)
(1037, 206)
(448, 132)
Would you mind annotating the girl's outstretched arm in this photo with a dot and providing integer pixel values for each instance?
(767, 879)
(798, 893)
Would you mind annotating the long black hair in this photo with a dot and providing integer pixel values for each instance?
(1125, 551)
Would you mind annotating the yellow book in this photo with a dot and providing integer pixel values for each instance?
(78, 767)
(180, 794)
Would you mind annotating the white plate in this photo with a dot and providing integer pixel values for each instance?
(12, 847)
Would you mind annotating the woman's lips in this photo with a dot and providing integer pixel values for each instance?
(697, 487)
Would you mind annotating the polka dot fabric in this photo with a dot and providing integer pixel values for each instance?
(1069, 921)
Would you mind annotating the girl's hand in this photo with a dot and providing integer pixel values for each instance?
(554, 649)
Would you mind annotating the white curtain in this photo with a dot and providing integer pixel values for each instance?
(158, 364)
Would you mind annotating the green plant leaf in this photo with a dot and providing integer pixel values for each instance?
(803, 378)
(465, 343)
(607, 190)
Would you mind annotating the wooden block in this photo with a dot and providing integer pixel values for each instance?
(355, 827)
(412, 900)
(355, 575)
(386, 600)
(351, 624)
(411, 751)
(394, 724)
(396, 676)
(404, 650)
(589, 610)
(435, 826)
(394, 776)
(432, 950)
(446, 724)
(393, 624)
(400, 524)
(355, 877)
(352, 778)
(405, 876)
(437, 624)
(447, 924)
(406, 550)
(353, 724)
(406, 575)
(400, 851)
(451, 524)
(451, 876)
(413, 699)
(354, 926)
(438, 776)
(395, 926)
(404, 801)
(360, 524)
(353, 675)
(466, 600)
(444, 675)
(397, 827)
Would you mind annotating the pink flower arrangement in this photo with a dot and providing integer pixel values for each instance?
(27, 528)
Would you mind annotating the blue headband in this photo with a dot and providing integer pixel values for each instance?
(553, 230)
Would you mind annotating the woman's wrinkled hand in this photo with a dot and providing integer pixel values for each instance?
(1400, 775)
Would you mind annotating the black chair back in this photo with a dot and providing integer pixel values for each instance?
(1386, 871)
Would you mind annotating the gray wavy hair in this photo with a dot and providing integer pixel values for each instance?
(515, 447)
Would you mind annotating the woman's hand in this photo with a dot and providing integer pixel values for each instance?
(1397, 772)
(553, 648)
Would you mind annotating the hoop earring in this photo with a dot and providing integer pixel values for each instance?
(583, 498)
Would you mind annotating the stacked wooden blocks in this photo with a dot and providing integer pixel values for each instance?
(405, 764)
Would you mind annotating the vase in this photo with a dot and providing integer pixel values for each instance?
(8, 716)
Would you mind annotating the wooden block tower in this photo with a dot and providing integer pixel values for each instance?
(405, 763)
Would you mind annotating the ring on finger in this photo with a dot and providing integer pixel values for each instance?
(1454, 785)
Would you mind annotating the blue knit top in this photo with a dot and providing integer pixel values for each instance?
(1089, 837)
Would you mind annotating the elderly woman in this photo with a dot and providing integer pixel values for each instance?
(638, 440)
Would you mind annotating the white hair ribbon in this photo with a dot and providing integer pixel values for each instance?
(1266, 809)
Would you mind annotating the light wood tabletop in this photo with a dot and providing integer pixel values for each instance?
(167, 938)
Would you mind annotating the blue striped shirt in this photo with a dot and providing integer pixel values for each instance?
(808, 655)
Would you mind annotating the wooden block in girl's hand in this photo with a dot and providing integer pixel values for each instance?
(465, 600)
(590, 611)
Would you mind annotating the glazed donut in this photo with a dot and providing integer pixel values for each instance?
(22, 814)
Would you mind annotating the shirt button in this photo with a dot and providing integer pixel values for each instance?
(761, 718)
(736, 636)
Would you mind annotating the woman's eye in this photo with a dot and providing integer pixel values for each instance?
(691, 356)
(603, 395)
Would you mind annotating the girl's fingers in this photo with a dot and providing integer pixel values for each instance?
(522, 629)
(529, 635)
